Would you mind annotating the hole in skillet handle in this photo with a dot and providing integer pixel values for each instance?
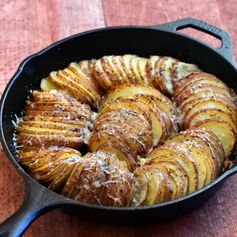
(207, 38)
(226, 49)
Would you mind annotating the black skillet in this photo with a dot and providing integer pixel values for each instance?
(144, 41)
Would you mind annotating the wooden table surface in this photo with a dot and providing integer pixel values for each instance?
(27, 26)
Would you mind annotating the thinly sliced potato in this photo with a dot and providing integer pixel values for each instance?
(128, 105)
(197, 79)
(207, 148)
(100, 179)
(202, 88)
(84, 75)
(158, 124)
(173, 164)
(121, 151)
(51, 166)
(54, 119)
(111, 71)
(214, 114)
(173, 186)
(175, 174)
(190, 103)
(209, 104)
(187, 164)
(47, 85)
(99, 75)
(129, 91)
(223, 131)
(141, 187)
(142, 72)
(62, 82)
(126, 64)
(191, 150)
(134, 66)
(155, 181)
(151, 69)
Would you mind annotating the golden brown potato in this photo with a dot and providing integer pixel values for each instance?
(204, 101)
(51, 166)
(185, 163)
(54, 119)
(164, 72)
(151, 185)
(223, 131)
(126, 125)
(138, 157)
(100, 179)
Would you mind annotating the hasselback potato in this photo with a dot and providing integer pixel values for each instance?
(126, 130)
(54, 119)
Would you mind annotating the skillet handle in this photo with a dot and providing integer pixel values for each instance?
(226, 49)
(37, 201)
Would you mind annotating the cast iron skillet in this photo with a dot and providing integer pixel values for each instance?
(144, 41)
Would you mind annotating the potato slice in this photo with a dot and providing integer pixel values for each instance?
(134, 66)
(141, 187)
(129, 134)
(120, 150)
(154, 186)
(166, 74)
(131, 90)
(186, 162)
(223, 131)
(99, 75)
(202, 88)
(84, 75)
(209, 104)
(86, 67)
(130, 105)
(59, 80)
(47, 85)
(207, 147)
(165, 110)
(197, 79)
(51, 166)
(158, 124)
(142, 72)
(211, 138)
(54, 119)
(126, 64)
(182, 70)
(151, 69)
(174, 164)
(111, 71)
(100, 179)
(195, 153)
(121, 115)
(171, 185)
(190, 103)
(205, 95)
(117, 61)
(92, 97)
(214, 114)
(175, 174)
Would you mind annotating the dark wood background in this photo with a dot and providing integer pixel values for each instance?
(27, 26)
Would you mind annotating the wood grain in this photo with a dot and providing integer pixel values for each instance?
(28, 26)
